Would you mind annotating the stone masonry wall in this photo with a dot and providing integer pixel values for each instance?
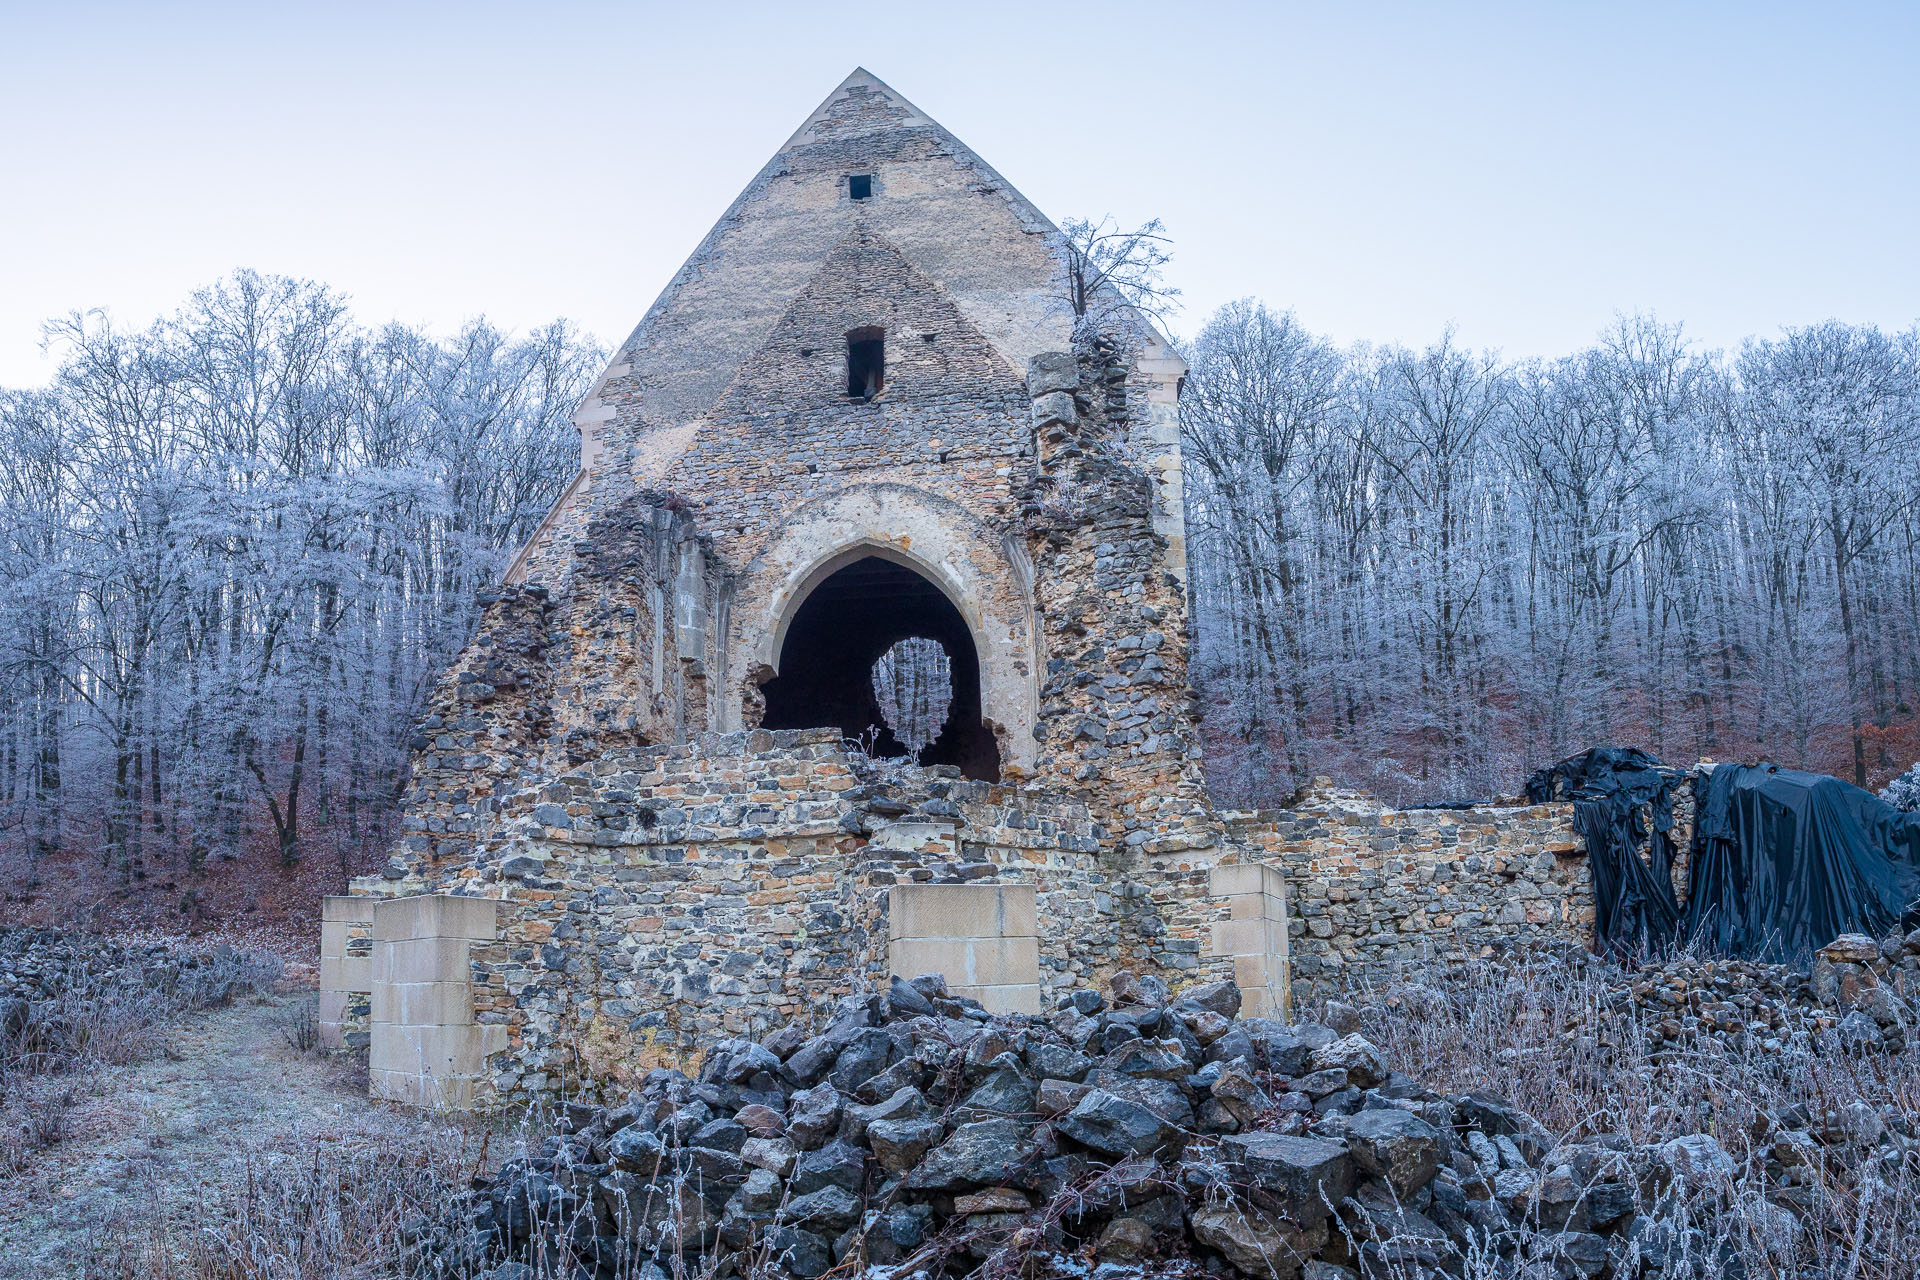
(487, 720)
(1375, 893)
(1116, 711)
(655, 899)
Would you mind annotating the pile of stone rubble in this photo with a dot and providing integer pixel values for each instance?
(40, 964)
(1150, 1135)
(1862, 990)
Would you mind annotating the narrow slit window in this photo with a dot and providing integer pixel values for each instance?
(866, 363)
(860, 186)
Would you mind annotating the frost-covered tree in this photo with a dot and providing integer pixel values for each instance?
(913, 683)
(1109, 267)
(1429, 571)
(1903, 793)
(235, 548)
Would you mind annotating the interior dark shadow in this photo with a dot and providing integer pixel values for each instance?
(842, 628)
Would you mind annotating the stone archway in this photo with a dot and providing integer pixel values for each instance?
(842, 628)
(982, 577)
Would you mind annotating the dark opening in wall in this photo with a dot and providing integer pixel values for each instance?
(860, 186)
(847, 624)
(866, 362)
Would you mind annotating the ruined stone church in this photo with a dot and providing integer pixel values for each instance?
(666, 794)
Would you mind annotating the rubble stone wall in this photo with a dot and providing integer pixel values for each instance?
(655, 899)
(1375, 893)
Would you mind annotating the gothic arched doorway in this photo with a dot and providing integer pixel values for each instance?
(855, 620)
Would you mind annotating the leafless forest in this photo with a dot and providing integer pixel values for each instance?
(235, 548)
(1428, 572)
(236, 545)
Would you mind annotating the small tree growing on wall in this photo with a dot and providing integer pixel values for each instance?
(1108, 268)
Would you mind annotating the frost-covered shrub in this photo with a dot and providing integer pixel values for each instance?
(1903, 793)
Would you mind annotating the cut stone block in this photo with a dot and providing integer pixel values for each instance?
(961, 911)
(1245, 877)
(437, 915)
(968, 962)
(1256, 937)
(1024, 998)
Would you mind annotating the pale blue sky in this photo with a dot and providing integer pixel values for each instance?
(1523, 171)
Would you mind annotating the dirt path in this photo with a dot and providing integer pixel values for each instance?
(151, 1144)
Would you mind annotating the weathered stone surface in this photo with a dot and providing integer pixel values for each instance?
(898, 1145)
(760, 1121)
(1222, 998)
(1699, 1160)
(1395, 1145)
(1241, 1095)
(838, 1164)
(984, 1153)
(813, 1115)
(1851, 948)
(1306, 1178)
(992, 1200)
(637, 1149)
(802, 1254)
(828, 1209)
(1125, 1240)
(773, 1154)
(1257, 1243)
(1117, 1126)
(1056, 1096)
(760, 1194)
(1007, 1091)
(1355, 1055)
(1159, 1059)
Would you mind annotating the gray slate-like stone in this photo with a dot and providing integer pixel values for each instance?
(1117, 1126)
(1305, 1178)
(982, 1154)
(1396, 1145)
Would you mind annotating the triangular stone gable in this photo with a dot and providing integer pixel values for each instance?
(785, 426)
(861, 104)
(942, 207)
(997, 261)
(932, 350)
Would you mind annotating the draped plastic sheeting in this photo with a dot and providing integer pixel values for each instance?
(1783, 861)
(1614, 790)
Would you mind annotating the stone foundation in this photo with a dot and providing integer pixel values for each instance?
(1254, 935)
(984, 939)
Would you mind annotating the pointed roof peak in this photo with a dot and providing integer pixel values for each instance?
(862, 103)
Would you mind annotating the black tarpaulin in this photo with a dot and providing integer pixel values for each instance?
(1614, 790)
(1783, 862)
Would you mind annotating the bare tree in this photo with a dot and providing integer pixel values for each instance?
(1108, 268)
(235, 548)
(1464, 568)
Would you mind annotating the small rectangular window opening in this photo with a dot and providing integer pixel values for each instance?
(866, 363)
(860, 186)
